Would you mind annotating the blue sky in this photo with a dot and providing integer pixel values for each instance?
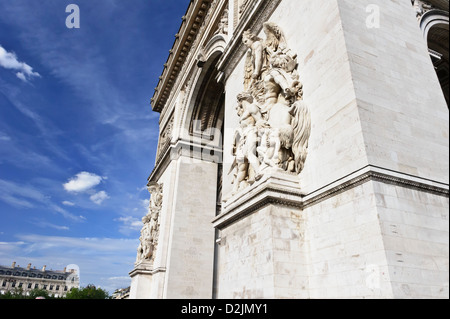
(78, 137)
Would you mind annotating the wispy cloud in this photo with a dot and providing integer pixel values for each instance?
(9, 60)
(20, 195)
(68, 203)
(4, 137)
(24, 196)
(45, 224)
(129, 224)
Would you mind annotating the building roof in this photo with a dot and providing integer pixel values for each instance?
(34, 273)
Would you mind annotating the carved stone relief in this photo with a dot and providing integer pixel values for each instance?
(165, 138)
(275, 122)
(222, 27)
(421, 7)
(150, 230)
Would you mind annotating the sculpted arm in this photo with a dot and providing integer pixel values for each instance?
(258, 59)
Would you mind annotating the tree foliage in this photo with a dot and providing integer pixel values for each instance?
(88, 292)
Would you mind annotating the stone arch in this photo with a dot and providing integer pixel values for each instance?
(435, 27)
(216, 45)
(205, 114)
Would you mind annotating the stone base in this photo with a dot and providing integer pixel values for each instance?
(145, 281)
(372, 235)
(261, 250)
(276, 186)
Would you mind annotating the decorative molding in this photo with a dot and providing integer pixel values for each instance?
(431, 18)
(146, 271)
(273, 195)
(185, 148)
(165, 137)
(184, 40)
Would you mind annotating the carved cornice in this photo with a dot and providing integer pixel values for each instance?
(184, 39)
(189, 149)
(282, 196)
(145, 271)
(378, 177)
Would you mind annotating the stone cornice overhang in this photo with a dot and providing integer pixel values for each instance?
(188, 149)
(266, 193)
(184, 39)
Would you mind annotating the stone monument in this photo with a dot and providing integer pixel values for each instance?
(303, 153)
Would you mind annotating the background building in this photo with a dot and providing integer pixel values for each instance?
(56, 282)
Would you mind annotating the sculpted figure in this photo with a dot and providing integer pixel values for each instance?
(222, 28)
(145, 245)
(421, 7)
(150, 230)
(275, 122)
(245, 142)
(287, 115)
(254, 65)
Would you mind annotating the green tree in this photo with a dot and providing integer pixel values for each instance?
(39, 293)
(88, 292)
(17, 293)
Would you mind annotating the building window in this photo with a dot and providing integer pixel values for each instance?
(20, 285)
(36, 286)
(65, 288)
(4, 283)
(57, 287)
(51, 287)
(45, 287)
(29, 285)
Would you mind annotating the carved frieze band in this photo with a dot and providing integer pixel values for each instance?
(303, 201)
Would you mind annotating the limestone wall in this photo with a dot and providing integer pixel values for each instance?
(403, 113)
(415, 230)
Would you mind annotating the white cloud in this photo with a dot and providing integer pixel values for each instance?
(131, 222)
(82, 182)
(130, 225)
(144, 203)
(45, 224)
(4, 137)
(99, 197)
(67, 203)
(9, 60)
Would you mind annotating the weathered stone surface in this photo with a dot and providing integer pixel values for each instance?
(366, 216)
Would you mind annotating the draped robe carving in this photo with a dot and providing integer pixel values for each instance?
(275, 121)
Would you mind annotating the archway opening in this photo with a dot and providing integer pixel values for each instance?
(438, 45)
